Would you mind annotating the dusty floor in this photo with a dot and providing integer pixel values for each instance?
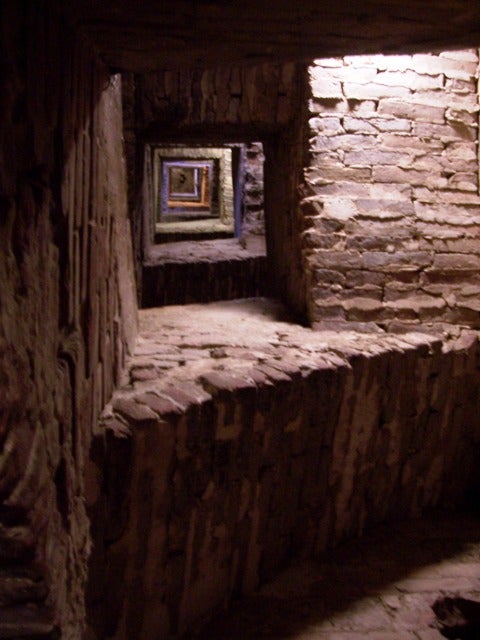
(380, 587)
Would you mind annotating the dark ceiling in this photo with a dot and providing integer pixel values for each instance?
(153, 34)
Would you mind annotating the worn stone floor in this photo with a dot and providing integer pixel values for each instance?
(379, 587)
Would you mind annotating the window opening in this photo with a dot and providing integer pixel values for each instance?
(206, 221)
(194, 193)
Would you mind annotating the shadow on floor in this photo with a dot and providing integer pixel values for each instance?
(379, 587)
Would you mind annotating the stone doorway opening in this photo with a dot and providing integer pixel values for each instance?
(204, 192)
(206, 222)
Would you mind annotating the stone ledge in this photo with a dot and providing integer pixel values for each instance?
(205, 251)
(256, 439)
(204, 271)
(187, 283)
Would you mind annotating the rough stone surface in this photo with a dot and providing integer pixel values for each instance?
(203, 480)
(394, 172)
(271, 441)
(250, 105)
(179, 34)
(66, 308)
(200, 261)
(204, 271)
(253, 223)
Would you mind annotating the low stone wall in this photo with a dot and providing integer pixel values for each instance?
(391, 212)
(220, 470)
(203, 271)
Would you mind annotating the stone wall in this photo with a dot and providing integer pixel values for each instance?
(391, 207)
(187, 272)
(258, 96)
(148, 37)
(253, 222)
(261, 103)
(248, 192)
(67, 315)
(205, 263)
(269, 441)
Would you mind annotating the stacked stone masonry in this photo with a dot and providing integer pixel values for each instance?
(241, 452)
(187, 272)
(251, 219)
(380, 587)
(216, 106)
(391, 206)
(241, 441)
(252, 104)
(67, 309)
(226, 95)
(253, 222)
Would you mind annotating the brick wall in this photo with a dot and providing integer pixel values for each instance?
(391, 206)
(220, 471)
(67, 317)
